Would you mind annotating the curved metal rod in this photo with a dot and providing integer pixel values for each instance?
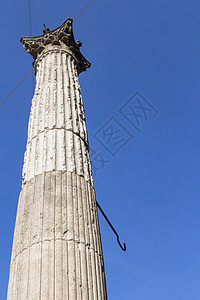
(111, 226)
(123, 248)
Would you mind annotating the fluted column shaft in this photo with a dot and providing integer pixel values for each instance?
(57, 252)
(57, 120)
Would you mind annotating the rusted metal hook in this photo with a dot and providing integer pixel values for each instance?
(123, 248)
(111, 226)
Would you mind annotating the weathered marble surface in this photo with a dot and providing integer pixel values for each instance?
(57, 253)
(57, 135)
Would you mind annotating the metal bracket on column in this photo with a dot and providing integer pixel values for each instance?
(111, 226)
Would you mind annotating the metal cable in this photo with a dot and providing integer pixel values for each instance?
(83, 10)
(15, 88)
(30, 28)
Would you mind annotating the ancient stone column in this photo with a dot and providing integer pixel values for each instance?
(57, 253)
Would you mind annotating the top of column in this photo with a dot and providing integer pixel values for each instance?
(61, 35)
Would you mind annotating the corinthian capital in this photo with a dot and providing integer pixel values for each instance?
(62, 35)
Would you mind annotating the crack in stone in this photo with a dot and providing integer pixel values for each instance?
(58, 239)
(63, 172)
(54, 128)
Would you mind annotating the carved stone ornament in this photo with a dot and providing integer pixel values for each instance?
(62, 34)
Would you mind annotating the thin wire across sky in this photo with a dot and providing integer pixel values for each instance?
(30, 29)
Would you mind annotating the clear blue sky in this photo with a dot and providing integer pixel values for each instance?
(150, 190)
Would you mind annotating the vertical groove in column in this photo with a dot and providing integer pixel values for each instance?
(83, 258)
(67, 225)
(58, 237)
(38, 101)
(72, 96)
(60, 106)
(47, 114)
(93, 264)
(76, 232)
(54, 109)
(64, 232)
(47, 236)
(95, 234)
(41, 238)
(62, 111)
(66, 87)
(90, 243)
(98, 265)
(73, 109)
(31, 196)
(70, 238)
(87, 239)
(79, 102)
(100, 250)
(53, 190)
(29, 232)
